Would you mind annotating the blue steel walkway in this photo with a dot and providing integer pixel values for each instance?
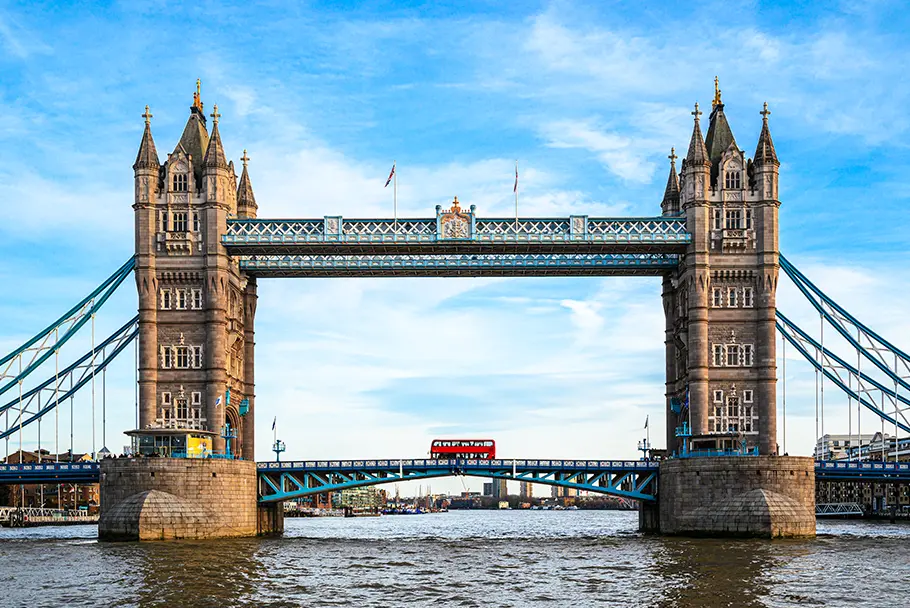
(634, 479)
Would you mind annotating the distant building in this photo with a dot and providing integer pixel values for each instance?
(560, 492)
(525, 489)
(835, 447)
(488, 488)
(367, 498)
(500, 489)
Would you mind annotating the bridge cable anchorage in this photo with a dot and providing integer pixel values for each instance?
(885, 357)
(40, 347)
(78, 374)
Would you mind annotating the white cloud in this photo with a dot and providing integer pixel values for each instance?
(619, 154)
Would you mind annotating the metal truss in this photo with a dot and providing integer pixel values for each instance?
(335, 235)
(636, 479)
(838, 509)
(17, 365)
(888, 359)
(652, 264)
(34, 404)
(58, 472)
(855, 383)
(854, 470)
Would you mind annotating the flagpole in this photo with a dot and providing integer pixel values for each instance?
(516, 196)
(395, 190)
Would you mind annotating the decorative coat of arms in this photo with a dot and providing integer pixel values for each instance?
(455, 223)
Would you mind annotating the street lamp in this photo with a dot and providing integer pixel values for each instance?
(278, 448)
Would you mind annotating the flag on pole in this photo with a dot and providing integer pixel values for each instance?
(218, 401)
(515, 189)
(274, 420)
(646, 421)
(391, 175)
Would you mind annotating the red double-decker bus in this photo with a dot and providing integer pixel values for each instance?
(475, 449)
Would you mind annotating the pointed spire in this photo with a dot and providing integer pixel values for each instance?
(214, 154)
(670, 204)
(720, 136)
(697, 153)
(764, 152)
(148, 155)
(195, 138)
(246, 200)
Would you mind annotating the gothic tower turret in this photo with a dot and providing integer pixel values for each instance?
(195, 320)
(146, 172)
(720, 303)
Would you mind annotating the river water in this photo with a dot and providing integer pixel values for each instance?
(461, 558)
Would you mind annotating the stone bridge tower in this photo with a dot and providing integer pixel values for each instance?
(196, 309)
(720, 303)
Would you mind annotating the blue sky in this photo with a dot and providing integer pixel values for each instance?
(588, 96)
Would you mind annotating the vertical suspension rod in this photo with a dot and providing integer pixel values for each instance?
(94, 453)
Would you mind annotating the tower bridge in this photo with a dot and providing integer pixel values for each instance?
(200, 250)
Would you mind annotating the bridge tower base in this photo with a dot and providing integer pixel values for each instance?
(761, 496)
(182, 498)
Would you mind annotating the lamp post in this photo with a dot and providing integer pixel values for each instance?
(278, 448)
(227, 433)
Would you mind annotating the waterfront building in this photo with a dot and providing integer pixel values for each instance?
(876, 446)
(835, 447)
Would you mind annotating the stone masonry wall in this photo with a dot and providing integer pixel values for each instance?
(767, 496)
(168, 498)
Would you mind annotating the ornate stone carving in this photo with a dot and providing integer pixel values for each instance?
(454, 223)
(578, 225)
(331, 225)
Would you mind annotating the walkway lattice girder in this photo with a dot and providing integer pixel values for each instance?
(430, 265)
(334, 235)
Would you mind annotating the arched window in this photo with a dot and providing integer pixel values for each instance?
(732, 180)
(181, 182)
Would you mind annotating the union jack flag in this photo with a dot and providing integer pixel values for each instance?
(391, 175)
(515, 189)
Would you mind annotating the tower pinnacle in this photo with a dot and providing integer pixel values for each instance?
(764, 152)
(197, 96)
(697, 153)
(147, 158)
(717, 101)
(214, 154)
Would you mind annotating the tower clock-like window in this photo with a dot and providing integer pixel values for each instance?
(181, 182)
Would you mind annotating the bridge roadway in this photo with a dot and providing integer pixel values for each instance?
(286, 480)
